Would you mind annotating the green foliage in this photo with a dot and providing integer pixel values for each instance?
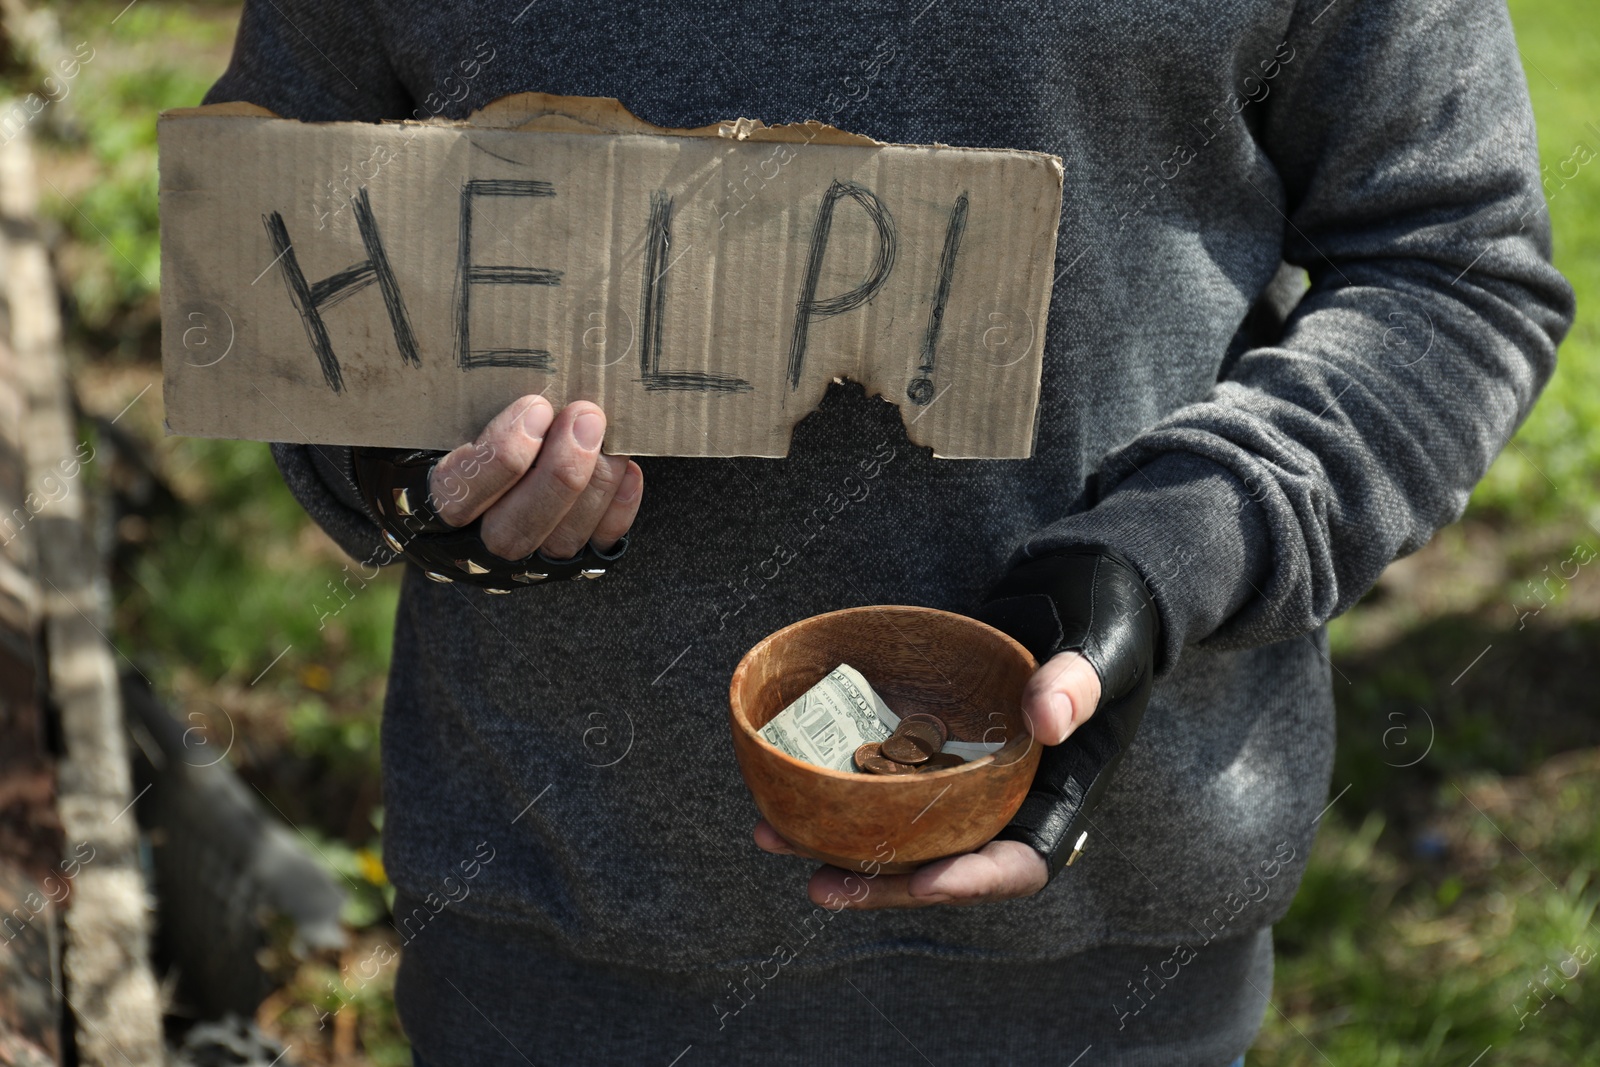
(114, 107)
(224, 586)
(1385, 961)
(360, 869)
(315, 733)
(1550, 469)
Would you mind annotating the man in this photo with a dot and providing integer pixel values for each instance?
(1247, 451)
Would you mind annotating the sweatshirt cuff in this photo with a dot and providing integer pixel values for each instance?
(322, 479)
(1192, 530)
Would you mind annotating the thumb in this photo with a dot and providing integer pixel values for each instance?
(1060, 697)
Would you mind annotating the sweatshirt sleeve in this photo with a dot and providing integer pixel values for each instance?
(317, 62)
(1402, 137)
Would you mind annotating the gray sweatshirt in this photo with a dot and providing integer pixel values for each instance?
(1260, 478)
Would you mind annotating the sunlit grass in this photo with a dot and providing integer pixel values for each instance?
(1550, 470)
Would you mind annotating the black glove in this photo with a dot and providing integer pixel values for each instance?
(1088, 600)
(394, 484)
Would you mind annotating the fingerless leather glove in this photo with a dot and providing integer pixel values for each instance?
(394, 485)
(1088, 600)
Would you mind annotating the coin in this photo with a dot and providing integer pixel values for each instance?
(941, 761)
(907, 748)
(880, 765)
(924, 733)
(929, 717)
(866, 752)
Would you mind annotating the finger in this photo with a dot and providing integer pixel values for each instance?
(770, 840)
(1060, 697)
(1000, 870)
(833, 887)
(469, 479)
(624, 508)
(573, 531)
(524, 517)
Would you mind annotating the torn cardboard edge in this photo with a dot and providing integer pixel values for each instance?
(547, 113)
(920, 271)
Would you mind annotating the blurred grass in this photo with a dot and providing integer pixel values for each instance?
(1442, 899)
(226, 583)
(128, 77)
(1549, 472)
(1484, 942)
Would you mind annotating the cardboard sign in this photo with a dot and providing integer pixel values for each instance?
(398, 283)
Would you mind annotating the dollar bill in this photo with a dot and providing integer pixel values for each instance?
(840, 714)
(831, 720)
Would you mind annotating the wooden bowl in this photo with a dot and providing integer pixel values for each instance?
(918, 659)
